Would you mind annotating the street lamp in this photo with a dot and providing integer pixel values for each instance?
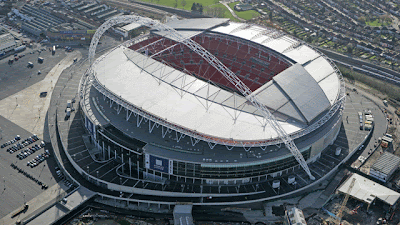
(24, 198)
(4, 183)
(87, 167)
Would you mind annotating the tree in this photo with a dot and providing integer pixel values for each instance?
(183, 3)
(385, 19)
(362, 19)
(176, 3)
(309, 39)
(214, 11)
(197, 7)
(349, 49)
(376, 40)
(270, 15)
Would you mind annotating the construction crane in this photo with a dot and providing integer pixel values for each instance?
(346, 198)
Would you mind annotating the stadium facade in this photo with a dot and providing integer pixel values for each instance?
(176, 127)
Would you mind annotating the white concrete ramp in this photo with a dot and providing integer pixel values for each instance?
(183, 214)
(61, 208)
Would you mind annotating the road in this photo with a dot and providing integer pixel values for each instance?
(232, 12)
(354, 61)
(395, 23)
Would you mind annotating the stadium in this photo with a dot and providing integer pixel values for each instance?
(197, 111)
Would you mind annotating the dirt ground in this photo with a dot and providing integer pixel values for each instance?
(355, 213)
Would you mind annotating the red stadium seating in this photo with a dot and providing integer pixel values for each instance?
(252, 73)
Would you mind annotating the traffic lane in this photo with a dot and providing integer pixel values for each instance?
(355, 62)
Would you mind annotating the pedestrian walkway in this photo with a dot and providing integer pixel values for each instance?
(38, 204)
(26, 108)
(61, 208)
(231, 11)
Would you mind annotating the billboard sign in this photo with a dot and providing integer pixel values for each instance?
(159, 164)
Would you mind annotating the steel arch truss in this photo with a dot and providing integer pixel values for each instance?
(213, 61)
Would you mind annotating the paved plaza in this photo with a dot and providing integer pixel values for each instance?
(23, 112)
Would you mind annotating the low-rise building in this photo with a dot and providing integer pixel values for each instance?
(384, 166)
(368, 191)
(128, 29)
(294, 216)
(8, 43)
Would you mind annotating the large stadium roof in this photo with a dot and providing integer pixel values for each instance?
(296, 96)
(312, 61)
(295, 93)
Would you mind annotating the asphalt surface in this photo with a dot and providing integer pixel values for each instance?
(17, 76)
(355, 61)
(14, 78)
(15, 185)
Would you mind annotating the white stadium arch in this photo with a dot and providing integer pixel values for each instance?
(212, 60)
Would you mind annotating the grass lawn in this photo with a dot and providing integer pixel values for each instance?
(227, 14)
(189, 3)
(330, 43)
(374, 23)
(188, 6)
(247, 15)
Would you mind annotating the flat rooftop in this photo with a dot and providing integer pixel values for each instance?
(367, 190)
(386, 163)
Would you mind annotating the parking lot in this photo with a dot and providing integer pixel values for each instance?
(19, 181)
(18, 187)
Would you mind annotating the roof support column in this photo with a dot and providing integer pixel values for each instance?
(138, 120)
(179, 137)
(128, 114)
(194, 141)
(151, 127)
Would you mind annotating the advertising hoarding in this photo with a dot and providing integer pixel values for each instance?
(159, 164)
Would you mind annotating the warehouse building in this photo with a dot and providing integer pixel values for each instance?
(385, 166)
(8, 43)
